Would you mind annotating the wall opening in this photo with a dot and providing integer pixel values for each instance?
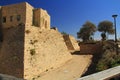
(4, 19)
(18, 17)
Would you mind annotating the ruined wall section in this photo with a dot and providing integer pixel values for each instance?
(44, 50)
(13, 15)
(71, 42)
(74, 43)
(11, 51)
(68, 42)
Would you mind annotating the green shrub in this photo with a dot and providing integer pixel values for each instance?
(27, 31)
(32, 52)
(109, 57)
(101, 66)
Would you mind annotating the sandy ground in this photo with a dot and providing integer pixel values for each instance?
(72, 70)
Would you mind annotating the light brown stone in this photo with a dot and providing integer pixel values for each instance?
(28, 16)
(71, 42)
(28, 49)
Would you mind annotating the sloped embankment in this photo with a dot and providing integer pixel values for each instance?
(27, 51)
(44, 50)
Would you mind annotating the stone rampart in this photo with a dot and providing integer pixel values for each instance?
(44, 50)
(12, 51)
(90, 48)
(28, 51)
(71, 43)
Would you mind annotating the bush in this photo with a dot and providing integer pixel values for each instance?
(109, 57)
(27, 31)
(32, 52)
(101, 66)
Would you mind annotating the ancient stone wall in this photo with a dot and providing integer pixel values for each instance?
(0, 17)
(1, 37)
(24, 13)
(44, 19)
(29, 15)
(90, 48)
(12, 51)
(44, 50)
(36, 17)
(41, 19)
(14, 14)
(71, 43)
(27, 50)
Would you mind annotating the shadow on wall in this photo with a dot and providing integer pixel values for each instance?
(11, 53)
(1, 35)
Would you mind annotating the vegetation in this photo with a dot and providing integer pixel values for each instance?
(27, 31)
(105, 58)
(32, 52)
(106, 27)
(109, 58)
(64, 33)
(86, 31)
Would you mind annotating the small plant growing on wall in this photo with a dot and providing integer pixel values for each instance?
(33, 42)
(27, 31)
(32, 52)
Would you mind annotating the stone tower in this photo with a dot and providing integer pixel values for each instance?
(23, 13)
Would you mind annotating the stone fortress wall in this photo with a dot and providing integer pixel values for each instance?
(71, 43)
(24, 13)
(44, 50)
(29, 46)
(14, 14)
(12, 52)
(41, 19)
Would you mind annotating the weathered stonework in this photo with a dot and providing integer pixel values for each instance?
(41, 19)
(29, 49)
(43, 51)
(24, 13)
(71, 43)
(13, 11)
(12, 51)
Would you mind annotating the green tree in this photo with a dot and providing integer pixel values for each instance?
(106, 27)
(86, 31)
(64, 33)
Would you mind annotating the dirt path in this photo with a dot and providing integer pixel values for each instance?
(72, 70)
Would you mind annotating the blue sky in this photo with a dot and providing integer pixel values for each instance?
(70, 15)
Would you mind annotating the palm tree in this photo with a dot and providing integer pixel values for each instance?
(106, 27)
(86, 31)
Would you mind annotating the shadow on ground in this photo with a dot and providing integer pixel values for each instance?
(79, 53)
(92, 68)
